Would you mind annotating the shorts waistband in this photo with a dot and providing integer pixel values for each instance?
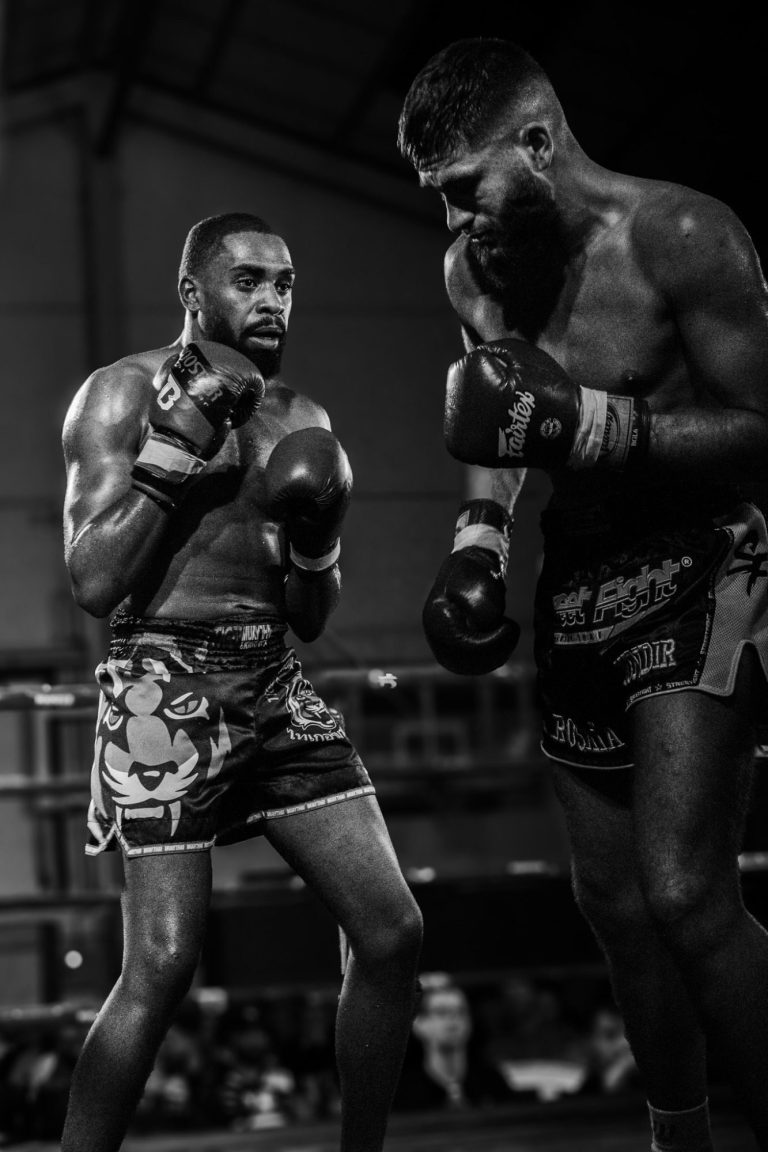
(204, 645)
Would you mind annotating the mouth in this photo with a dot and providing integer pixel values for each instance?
(486, 239)
(266, 334)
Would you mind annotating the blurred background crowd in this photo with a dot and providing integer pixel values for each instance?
(253, 1064)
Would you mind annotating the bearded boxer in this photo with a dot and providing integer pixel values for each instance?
(616, 335)
(204, 507)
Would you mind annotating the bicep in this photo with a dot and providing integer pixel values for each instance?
(721, 308)
(101, 441)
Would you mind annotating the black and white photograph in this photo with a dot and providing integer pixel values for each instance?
(383, 577)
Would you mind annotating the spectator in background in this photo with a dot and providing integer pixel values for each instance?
(174, 1098)
(442, 1069)
(611, 1067)
(524, 1019)
(253, 1088)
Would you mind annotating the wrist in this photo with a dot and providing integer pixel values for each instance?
(613, 431)
(164, 468)
(484, 524)
(315, 564)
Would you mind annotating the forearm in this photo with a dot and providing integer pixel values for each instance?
(502, 485)
(729, 444)
(310, 598)
(110, 554)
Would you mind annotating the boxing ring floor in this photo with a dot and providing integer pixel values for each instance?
(586, 1126)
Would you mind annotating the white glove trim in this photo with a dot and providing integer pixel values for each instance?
(484, 536)
(593, 413)
(315, 563)
(162, 454)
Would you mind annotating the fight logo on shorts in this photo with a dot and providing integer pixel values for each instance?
(146, 756)
(622, 599)
(616, 604)
(570, 606)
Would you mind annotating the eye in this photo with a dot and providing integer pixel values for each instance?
(186, 706)
(284, 288)
(113, 718)
(246, 283)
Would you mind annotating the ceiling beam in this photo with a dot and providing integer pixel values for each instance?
(131, 35)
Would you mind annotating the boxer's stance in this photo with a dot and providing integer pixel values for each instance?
(203, 509)
(628, 357)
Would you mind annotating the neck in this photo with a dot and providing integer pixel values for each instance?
(586, 194)
(191, 329)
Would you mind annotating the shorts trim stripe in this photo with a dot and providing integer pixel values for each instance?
(311, 805)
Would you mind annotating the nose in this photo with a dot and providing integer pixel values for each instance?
(270, 301)
(458, 219)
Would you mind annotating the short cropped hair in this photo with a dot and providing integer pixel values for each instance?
(460, 92)
(205, 238)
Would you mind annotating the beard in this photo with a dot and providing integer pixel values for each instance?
(267, 360)
(522, 264)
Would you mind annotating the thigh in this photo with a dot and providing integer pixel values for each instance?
(598, 814)
(165, 904)
(694, 757)
(344, 853)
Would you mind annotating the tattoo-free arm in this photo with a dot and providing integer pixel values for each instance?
(111, 531)
(706, 265)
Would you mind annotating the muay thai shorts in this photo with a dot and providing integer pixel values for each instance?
(206, 731)
(640, 609)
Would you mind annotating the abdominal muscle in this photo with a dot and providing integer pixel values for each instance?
(219, 558)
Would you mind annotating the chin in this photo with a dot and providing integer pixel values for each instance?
(267, 360)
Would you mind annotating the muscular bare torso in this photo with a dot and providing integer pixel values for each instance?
(637, 316)
(219, 553)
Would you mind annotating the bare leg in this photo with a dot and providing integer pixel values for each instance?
(694, 756)
(662, 1027)
(344, 853)
(165, 906)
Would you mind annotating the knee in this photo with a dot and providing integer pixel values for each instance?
(160, 970)
(395, 941)
(690, 910)
(615, 910)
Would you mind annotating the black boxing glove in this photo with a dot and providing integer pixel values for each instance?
(202, 392)
(308, 485)
(510, 405)
(463, 617)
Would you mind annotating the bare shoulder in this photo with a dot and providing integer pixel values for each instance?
(681, 235)
(295, 409)
(114, 398)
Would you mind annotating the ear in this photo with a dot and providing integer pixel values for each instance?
(188, 294)
(536, 139)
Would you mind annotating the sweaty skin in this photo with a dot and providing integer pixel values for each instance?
(662, 298)
(218, 554)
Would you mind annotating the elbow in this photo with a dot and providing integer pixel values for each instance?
(94, 598)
